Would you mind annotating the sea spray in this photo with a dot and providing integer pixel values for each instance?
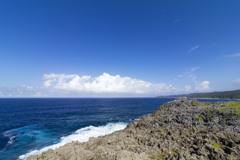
(81, 135)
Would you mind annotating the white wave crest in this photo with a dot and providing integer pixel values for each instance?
(81, 135)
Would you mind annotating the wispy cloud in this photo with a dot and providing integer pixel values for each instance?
(194, 69)
(198, 86)
(193, 48)
(231, 55)
(177, 20)
(188, 73)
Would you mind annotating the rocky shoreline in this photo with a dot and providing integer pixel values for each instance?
(181, 129)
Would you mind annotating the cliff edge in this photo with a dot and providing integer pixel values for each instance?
(180, 129)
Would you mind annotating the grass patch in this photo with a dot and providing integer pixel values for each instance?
(233, 157)
(163, 131)
(175, 152)
(200, 118)
(227, 107)
(208, 108)
(166, 153)
(216, 146)
(209, 115)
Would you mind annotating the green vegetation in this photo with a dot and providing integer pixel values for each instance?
(221, 95)
(175, 152)
(209, 115)
(163, 131)
(208, 109)
(233, 157)
(216, 146)
(200, 118)
(232, 106)
(161, 156)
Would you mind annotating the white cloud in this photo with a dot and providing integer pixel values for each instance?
(193, 48)
(105, 85)
(110, 85)
(203, 86)
(236, 82)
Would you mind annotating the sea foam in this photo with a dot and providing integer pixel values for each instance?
(81, 135)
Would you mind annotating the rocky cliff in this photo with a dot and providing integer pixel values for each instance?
(180, 129)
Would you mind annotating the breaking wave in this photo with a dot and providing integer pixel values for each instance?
(81, 135)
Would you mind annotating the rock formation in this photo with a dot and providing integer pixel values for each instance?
(180, 129)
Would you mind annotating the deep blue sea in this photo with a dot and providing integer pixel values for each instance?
(30, 126)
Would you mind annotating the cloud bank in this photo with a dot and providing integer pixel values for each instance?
(105, 85)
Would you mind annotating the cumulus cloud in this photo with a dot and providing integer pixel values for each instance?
(193, 48)
(203, 86)
(104, 85)
(107, 84)
(236, 82)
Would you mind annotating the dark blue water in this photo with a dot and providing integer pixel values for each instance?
(29, 124)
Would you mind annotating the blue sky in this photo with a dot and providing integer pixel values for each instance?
(92, 48)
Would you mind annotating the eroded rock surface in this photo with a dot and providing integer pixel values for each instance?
(180, 129)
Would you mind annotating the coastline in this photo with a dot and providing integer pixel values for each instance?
(218, 98)
(183, 128)
(204, 98)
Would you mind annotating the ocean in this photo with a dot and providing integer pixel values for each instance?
(31, 126)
